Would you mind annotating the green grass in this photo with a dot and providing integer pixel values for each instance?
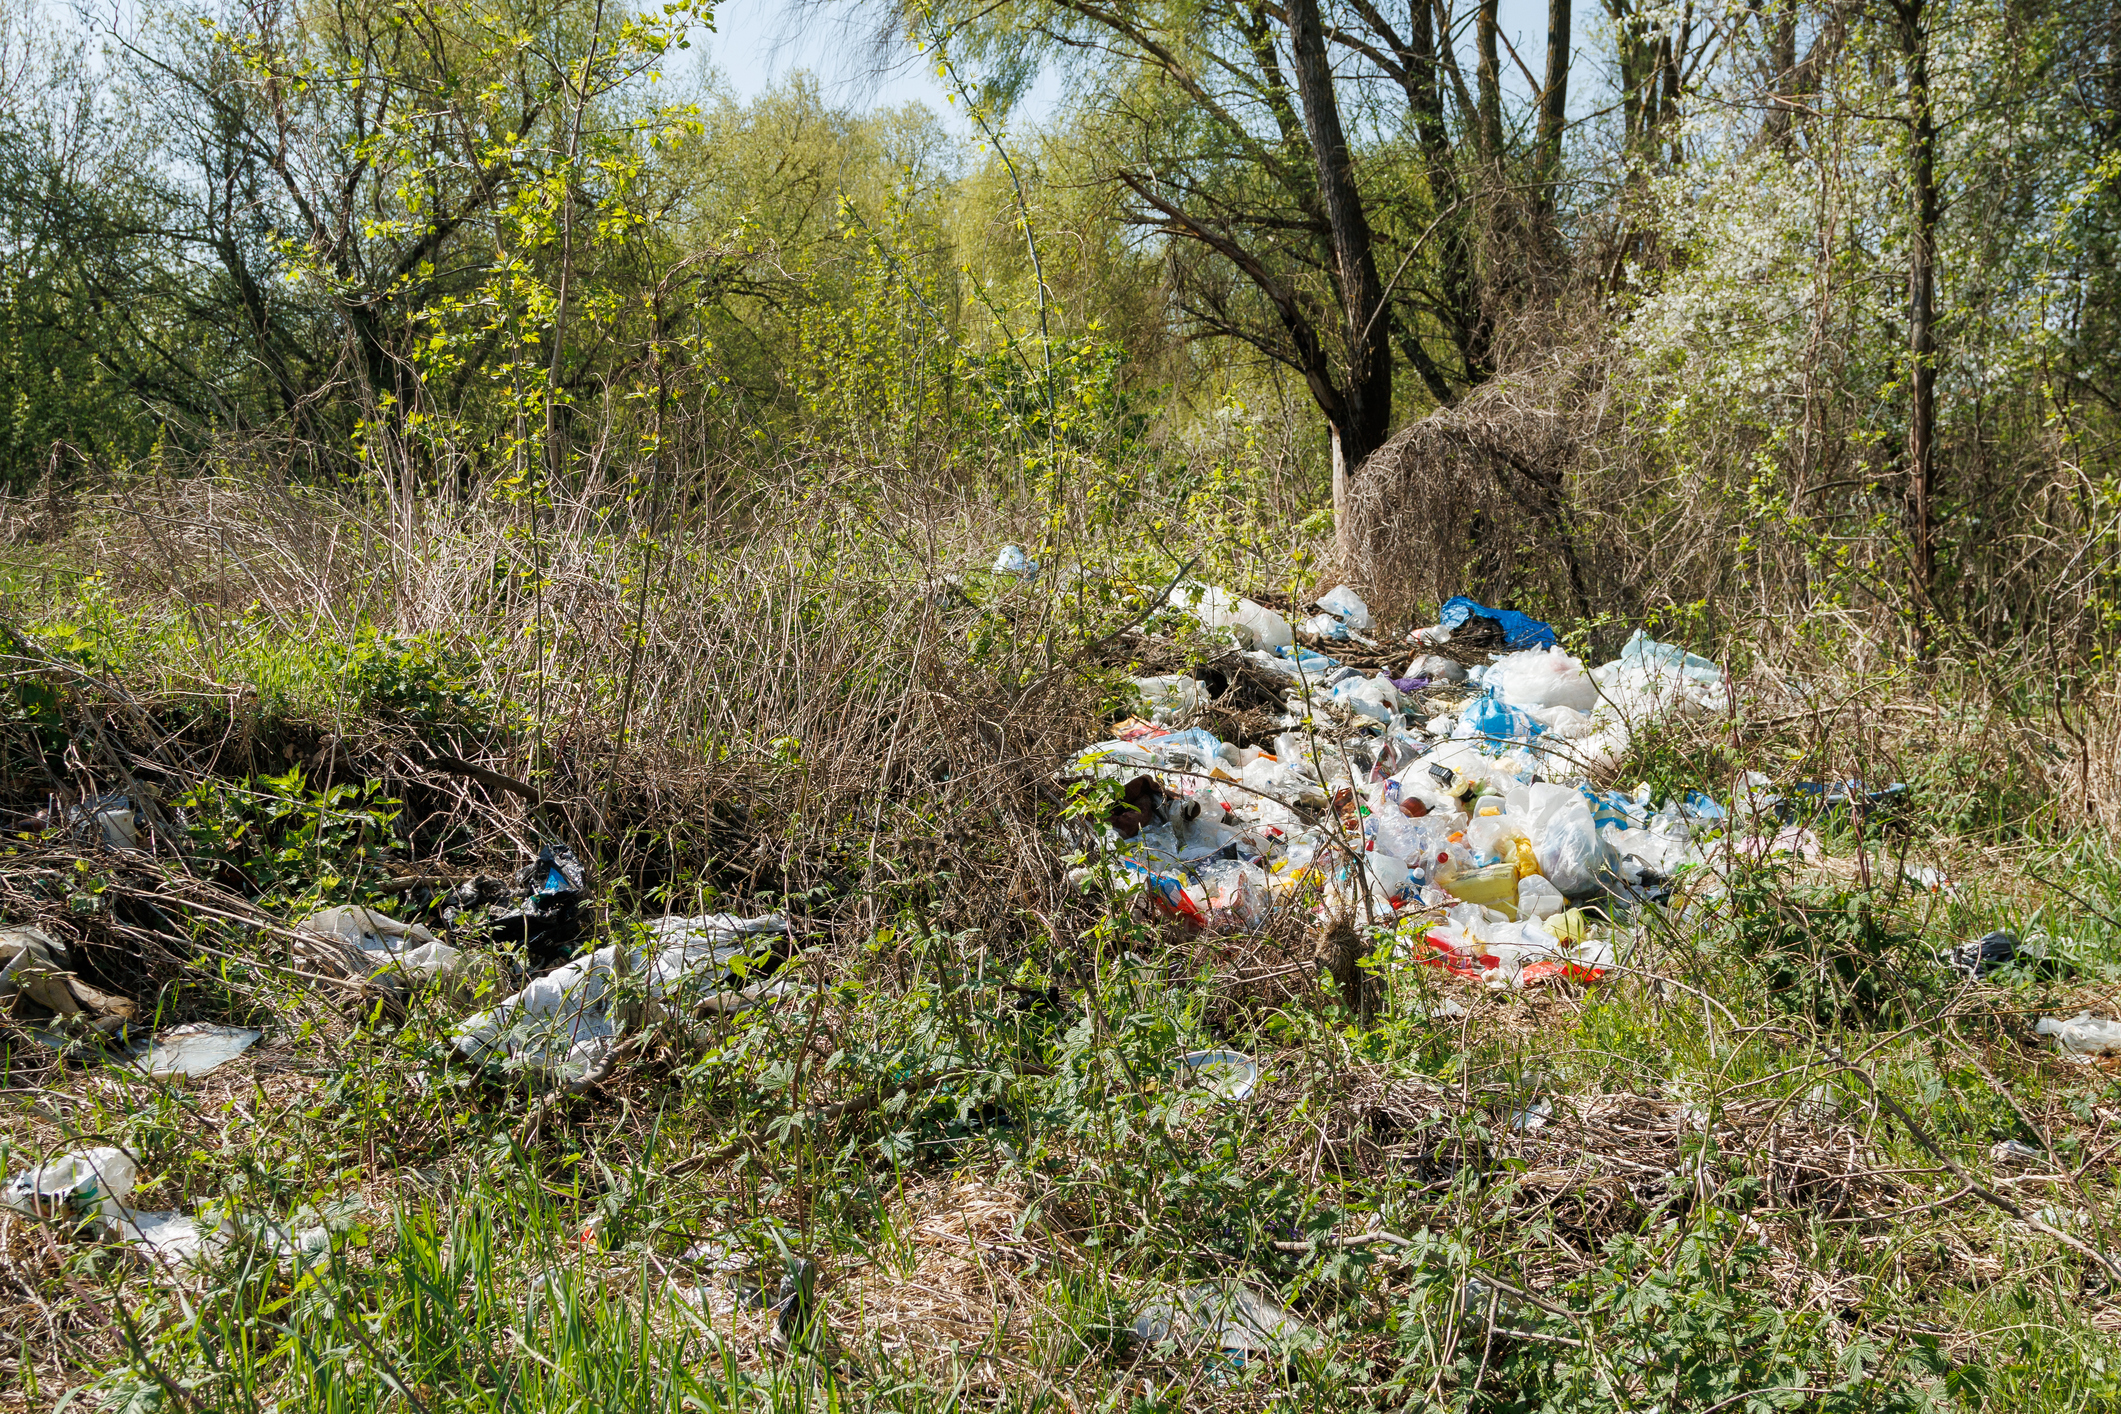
(1804, 1252)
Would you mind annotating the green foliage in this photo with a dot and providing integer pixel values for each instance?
(424, 678)
(1834, 955)
(293, 844)
(1682, 1321)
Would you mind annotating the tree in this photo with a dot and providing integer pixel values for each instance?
(1329, 190)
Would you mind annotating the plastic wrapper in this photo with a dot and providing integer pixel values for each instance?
(1543, 679)
(1347, 607)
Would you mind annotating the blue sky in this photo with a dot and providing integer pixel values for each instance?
(759, 42)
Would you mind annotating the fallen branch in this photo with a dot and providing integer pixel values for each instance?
(493, 780)
(1977, 1188)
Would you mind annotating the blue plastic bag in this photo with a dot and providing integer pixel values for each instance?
(1496, 720)
(1518, 630)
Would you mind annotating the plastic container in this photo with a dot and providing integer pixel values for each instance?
(87, 1183)
(1494, 886)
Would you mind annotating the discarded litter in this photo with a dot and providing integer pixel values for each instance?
(84, 1185)
(194, 1050)
(1013, 559)
(1343, 618)
(1372, 804)
(35, 967)
(1985, 954)
(562, 1025)
(346, 940)
(1226, 1317)
(113, 819)
(1478, 626)
(2012, 1151)
(1227, 1075)
(1532, 1117)
(1254, 625)
(2084, 1035)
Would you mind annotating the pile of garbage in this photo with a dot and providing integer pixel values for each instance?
(1450, 806)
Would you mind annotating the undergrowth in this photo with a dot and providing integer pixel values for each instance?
(1753, 1167)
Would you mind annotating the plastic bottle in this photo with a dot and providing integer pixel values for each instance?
(87, 1183)
(1494, 886)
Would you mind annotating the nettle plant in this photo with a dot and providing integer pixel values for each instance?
(294, 842)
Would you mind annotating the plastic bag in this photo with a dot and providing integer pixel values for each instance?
(1344, 604)
(1518, 630)
(1012, 559)
(1543, 678)
(1324, 626)
(1494, 835)
(1373, 697)
(1490, 719)
(2084, 1035)
(1279, 782)
(1571, 854)
(1436, 668)
(1388, 872)
(1237, 894)
(1255, 624)
(1533, 806)
(87, 1183)
(1537, 898)
(1170, 698)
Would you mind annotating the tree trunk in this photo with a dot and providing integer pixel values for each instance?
(1489, 78)
(1368, 413)
(1913, 20)
(1553, 106)
(1464, 310)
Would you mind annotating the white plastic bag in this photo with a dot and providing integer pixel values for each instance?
(85, 1183)
(1407, 838)
(1171, 698)
(1255, 624)
(1324, 626)
(1388, 873)
(2083, 1035)
(1012, 559)
(1278, 782)
(1570, 852)
(1533, 806)
(1373, 697)
(1536, 898)
(1436, 668)
(1496, 835)
(1543, 677)
(1344, 604)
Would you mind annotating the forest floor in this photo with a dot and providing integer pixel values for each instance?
(929, 1147)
